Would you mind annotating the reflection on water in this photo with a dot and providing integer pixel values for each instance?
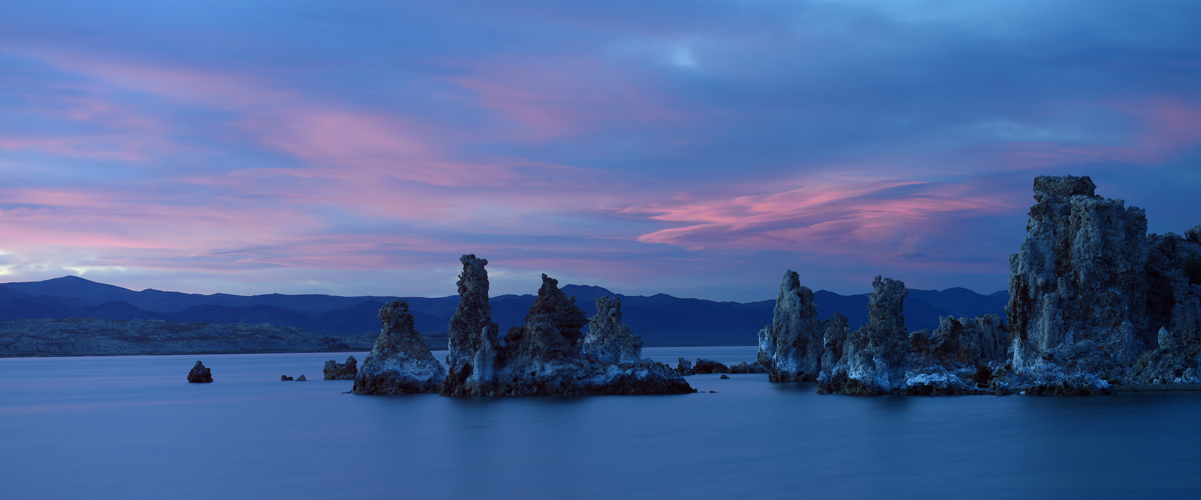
(133, 427)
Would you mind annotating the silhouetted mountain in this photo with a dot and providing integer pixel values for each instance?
(88, 291)
(19, 305)
(961, 302)
(116, 309)
(662, 320)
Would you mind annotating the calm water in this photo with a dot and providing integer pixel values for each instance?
(132, 427)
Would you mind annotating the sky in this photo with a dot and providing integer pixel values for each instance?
(696, 148)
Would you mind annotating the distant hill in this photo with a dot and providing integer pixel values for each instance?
(662, 320)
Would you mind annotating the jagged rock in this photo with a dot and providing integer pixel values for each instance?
(873, 357)
(1175, 361)
(400, 362)
(684, 367)
(341, 371)
(963, 342)
(792, 346)
(545, 356)
(472, 341)
(1090, 290)
(1194, 234)
(285, 378)
(609, 339)
(301, 378)
(743, 367)
(703, 366)
(834, 339)
(200, 374)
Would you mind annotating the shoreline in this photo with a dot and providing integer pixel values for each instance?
(1137, 388)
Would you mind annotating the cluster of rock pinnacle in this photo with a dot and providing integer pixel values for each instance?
(1094, 301)
(548, 355)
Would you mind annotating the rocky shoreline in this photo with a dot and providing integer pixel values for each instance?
(98, 337)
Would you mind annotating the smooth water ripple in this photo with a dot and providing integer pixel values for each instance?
(132, 427)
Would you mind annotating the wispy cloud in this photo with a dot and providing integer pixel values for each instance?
(623, 143)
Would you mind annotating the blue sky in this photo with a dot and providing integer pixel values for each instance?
(692, 148)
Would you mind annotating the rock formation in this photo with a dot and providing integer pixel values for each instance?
(285, 378)
(873, 356)
(834, 339)
(684, 367)
(546, 355)
(341, 371)
(882, 357)
(472, 341)
(703, 366)
(1078, 289)
(608, 339)
(301, 378)
(743, 367)
(200, 374)
(1174, 306)
(792, 345)
(1093, 298)
(400, 362)
(959, 357)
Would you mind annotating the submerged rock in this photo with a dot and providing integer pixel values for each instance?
(400, 362)
(546, 355)
(200, 374)
(341, 371)
(608, 339)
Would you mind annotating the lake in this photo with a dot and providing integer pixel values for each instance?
(132, 427)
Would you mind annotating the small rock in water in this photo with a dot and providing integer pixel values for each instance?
(301, 378)
(284, 378)
(709, 366)
(725, 377)
(200, 374)
(341, 371)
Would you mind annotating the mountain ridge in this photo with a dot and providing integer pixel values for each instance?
(662, 320)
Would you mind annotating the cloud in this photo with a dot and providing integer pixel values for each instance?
(868, 219)
(669, 147)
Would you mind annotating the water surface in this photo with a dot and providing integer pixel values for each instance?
(132, 427)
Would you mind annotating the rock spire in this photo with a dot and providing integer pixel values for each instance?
(608, 339)
(400, 362)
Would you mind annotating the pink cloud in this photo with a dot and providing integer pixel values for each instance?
(332, 140)
(873, 219)
(562, 97)
(1172, 124)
